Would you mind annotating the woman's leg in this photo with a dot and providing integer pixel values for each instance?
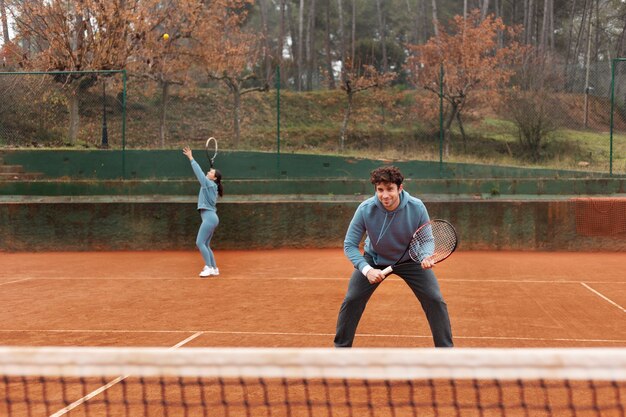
(205, 233)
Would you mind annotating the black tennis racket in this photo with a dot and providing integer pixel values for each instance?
(435, 240)
(211, 149)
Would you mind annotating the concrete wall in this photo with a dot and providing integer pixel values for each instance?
(151, 223)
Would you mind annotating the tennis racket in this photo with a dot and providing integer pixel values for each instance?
(435, 240)
(211, 149)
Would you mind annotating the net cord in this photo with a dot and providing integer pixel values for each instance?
(367, 363)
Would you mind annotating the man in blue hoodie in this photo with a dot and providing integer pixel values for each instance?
(388, 220)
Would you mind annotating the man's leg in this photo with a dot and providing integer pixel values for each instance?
(359, 292)
(426, 288)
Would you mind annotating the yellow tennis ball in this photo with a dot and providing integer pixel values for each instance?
(166, 36)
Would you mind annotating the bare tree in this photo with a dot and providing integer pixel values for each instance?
(355, 83)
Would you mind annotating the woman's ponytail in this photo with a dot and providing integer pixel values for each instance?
(218, 181)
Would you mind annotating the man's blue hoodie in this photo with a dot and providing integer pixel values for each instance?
(388, 232)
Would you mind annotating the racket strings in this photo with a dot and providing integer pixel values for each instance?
(435, 240)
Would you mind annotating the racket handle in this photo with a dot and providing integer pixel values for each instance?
(387, 270)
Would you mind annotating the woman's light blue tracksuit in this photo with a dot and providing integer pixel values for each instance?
(207, 206)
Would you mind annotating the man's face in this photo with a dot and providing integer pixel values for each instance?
(389, 194)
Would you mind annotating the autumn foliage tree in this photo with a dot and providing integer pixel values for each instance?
(226, 53)
(163, 34)
(475, 67)
(76, 36)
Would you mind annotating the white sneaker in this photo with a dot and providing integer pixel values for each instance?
(216, 271)
(206, 271)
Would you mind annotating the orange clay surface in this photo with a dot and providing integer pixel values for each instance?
(280, 298)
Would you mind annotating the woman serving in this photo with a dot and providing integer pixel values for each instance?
(210, 189)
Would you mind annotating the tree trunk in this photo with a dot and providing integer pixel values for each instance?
(236, 110)
(267, 59)
(293, 45)
(619, 69)
(80, 39)
(462, 130)
(300, 45)
(381, 138)
(329, 53)
(342, 39)
(424, 26)
(5, 24)
(569, 46)
(551, 24)
(498, 7)
(543, 39)
(529, 10)
(73, 105)
(446, 129)
(346, 120)
(353, 43)
(619, 47)
(587, 69)
(435, 19)
(484, 9)
(310, 47)
(281, 40)
(416, 24)
(381, 30)
(162, 122)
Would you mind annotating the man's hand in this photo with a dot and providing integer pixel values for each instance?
(427, 263)
(374, 276)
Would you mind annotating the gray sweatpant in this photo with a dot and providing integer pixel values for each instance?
(425, 287)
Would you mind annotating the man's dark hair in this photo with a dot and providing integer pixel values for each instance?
(389, 174)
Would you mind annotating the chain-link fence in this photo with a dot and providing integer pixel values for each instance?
(63, 109)
(574, 108)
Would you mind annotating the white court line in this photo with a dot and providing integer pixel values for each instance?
(225, 332)
(271, 278)
(604, 297)
(13, 282)
(111, 383)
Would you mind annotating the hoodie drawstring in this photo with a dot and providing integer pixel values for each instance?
(384, 229)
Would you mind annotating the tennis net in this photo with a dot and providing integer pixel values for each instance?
(51, 381)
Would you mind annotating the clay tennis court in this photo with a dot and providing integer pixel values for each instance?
(290, 298)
